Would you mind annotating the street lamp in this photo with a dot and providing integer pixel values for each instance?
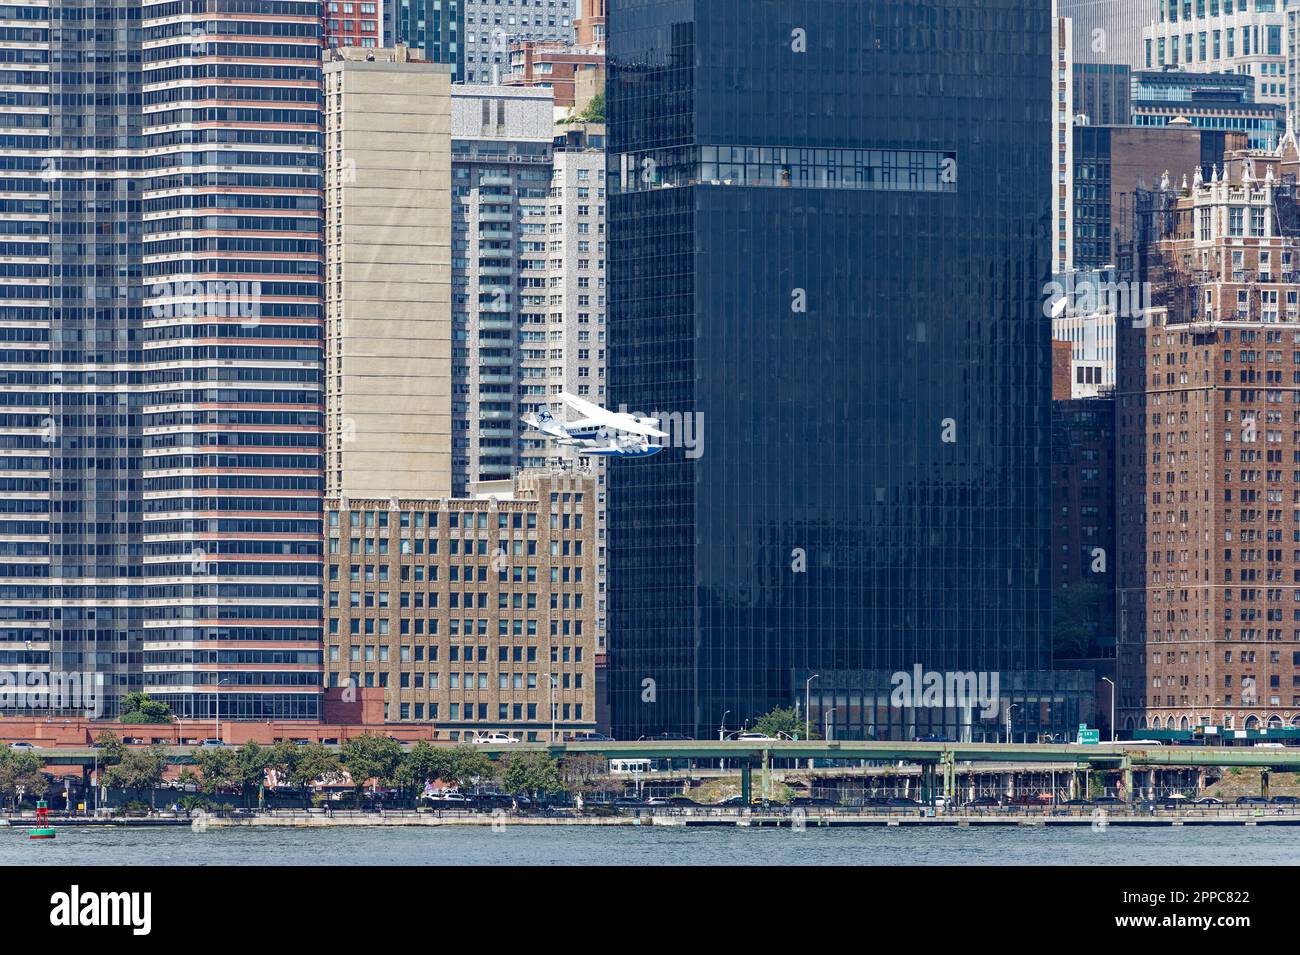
(1112, 706)
(216, 698)
(829, 714)
(1009, 709)
(722, 727)
(807, 706)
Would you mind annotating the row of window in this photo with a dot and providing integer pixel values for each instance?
(506, 712)
(457, 628)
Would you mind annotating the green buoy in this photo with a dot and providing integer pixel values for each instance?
(43, 828)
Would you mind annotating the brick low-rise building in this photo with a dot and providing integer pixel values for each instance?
(473, 614)
(572, 68)
(554, 66)
(1209, 457)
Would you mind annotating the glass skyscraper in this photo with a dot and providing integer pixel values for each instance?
(431, 27)
(827, 254)
(160, 378)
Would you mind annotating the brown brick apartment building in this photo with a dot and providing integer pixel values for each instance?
(1209, 456)
(573, 72)
(475, 614)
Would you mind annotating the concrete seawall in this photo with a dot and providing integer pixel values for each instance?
(754, 820)
(297, 821)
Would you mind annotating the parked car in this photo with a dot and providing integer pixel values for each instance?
(21, 745)
(933, 738)
(1207, 801)
(489, 800)
(591, 737)
(495, 739)
(1251, 801)
(812, 801)
(449, 801)
(1285, 800)
(901, 801)
(1108, 801)
(210, 743)
(1029, 799)
(753, 738)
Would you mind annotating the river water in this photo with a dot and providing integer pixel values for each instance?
(642, 846)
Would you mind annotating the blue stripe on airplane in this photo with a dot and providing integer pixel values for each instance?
(620, 453)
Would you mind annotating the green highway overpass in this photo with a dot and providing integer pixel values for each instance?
(1100, 756)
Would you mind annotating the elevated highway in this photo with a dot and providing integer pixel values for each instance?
(938, 762)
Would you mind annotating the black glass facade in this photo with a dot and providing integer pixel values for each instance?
(1102, 92)
(828, 241)
(1092, 198)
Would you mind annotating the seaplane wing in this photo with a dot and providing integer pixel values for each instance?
(633, 425)
(585, 407)
(598, 417)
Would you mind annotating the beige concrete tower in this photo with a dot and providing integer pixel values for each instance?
(388, 275)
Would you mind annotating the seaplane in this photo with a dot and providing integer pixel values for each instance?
(599, 432)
